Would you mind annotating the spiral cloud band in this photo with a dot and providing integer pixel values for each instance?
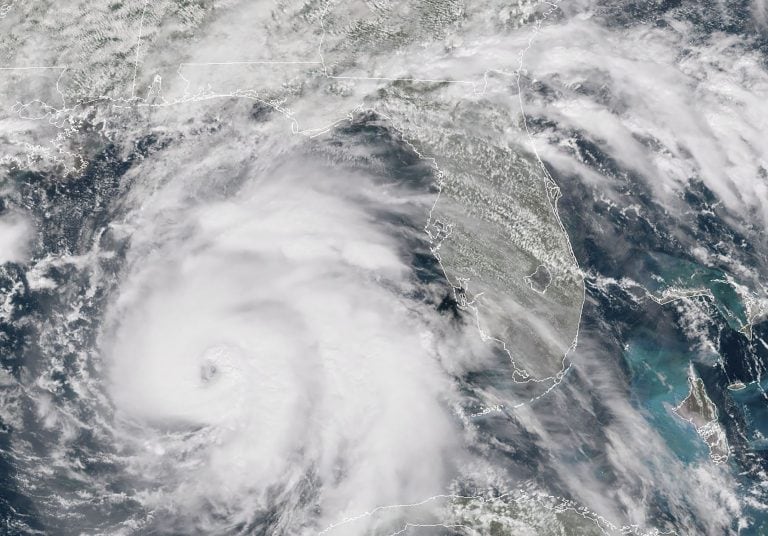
(272, 342)
(379, 268)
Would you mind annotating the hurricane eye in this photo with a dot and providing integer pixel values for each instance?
(208, 372)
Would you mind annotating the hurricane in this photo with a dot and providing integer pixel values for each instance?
(383, 268)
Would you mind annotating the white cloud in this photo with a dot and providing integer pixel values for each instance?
(263, 343)
(705, 103)
(15, 235)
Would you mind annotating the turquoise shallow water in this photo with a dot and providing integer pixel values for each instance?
(754, 407)
(658, 360)
(660, 382)
(681, 273)
(751, 401)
